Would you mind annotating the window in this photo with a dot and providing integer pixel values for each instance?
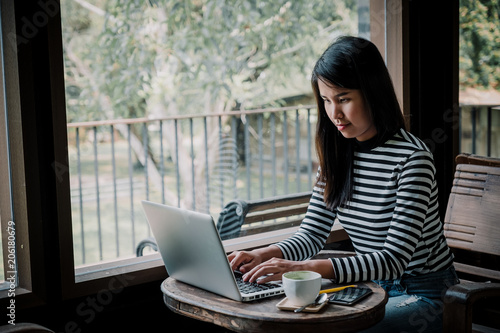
(191, 105)
(479, 78)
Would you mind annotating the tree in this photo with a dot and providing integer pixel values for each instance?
(480, 43)
(162, 58)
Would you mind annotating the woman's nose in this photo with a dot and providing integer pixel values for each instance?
(337, 112)
(333, 112)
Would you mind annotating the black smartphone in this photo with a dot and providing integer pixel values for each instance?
(349, 296)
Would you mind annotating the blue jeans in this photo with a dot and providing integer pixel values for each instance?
(415, 302)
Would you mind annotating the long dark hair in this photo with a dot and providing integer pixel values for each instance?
(352, 63)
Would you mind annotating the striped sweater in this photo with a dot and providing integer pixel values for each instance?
(392, 219)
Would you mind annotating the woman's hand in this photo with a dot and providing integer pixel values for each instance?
(267, 264)
(273, 269)
(244, 261)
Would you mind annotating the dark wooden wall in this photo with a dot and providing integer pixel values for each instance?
(432, 32)
(433, 52)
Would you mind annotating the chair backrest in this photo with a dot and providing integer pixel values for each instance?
(472, 221)
(277, 207)
(243, 218)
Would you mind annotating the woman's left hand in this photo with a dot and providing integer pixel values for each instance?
(273, 269)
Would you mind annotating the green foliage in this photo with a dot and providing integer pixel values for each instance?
(480, 43)
(163, 57)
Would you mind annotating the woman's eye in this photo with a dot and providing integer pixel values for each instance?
(326, 101)
(343, 100)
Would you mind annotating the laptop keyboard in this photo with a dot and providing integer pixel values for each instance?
(251, 287)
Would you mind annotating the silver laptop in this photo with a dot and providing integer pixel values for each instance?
(192, 251)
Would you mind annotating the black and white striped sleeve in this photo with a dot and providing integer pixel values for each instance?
(313, 231)
(414, 189)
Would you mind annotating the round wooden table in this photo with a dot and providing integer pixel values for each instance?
(264, 316)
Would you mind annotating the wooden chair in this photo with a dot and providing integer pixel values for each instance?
(241, 218)
(472, 230)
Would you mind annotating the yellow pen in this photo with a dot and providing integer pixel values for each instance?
(336, 289)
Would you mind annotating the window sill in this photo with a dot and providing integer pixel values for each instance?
(116, 275)
(22, 298)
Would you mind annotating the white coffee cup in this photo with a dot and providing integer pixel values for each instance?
(301, 287)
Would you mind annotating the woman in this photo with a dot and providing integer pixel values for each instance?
(379, 181)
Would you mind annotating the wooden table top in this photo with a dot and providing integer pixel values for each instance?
(264, 316)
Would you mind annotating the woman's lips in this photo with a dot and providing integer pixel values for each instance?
(341, 127)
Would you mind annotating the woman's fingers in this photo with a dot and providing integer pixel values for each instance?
(270, 270)
(242, 261)
(254, 270)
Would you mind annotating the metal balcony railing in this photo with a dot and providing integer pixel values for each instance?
(480, 129)
(199, 162)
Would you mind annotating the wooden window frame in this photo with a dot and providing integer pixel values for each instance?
(389, 26)
(13, 203)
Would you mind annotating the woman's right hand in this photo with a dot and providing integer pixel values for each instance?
(244, 261)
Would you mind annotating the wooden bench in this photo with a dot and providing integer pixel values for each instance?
(264, 219)
(254, 223)
(472, 230)
(242, 218)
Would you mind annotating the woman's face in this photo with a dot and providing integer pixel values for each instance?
(348, 111)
